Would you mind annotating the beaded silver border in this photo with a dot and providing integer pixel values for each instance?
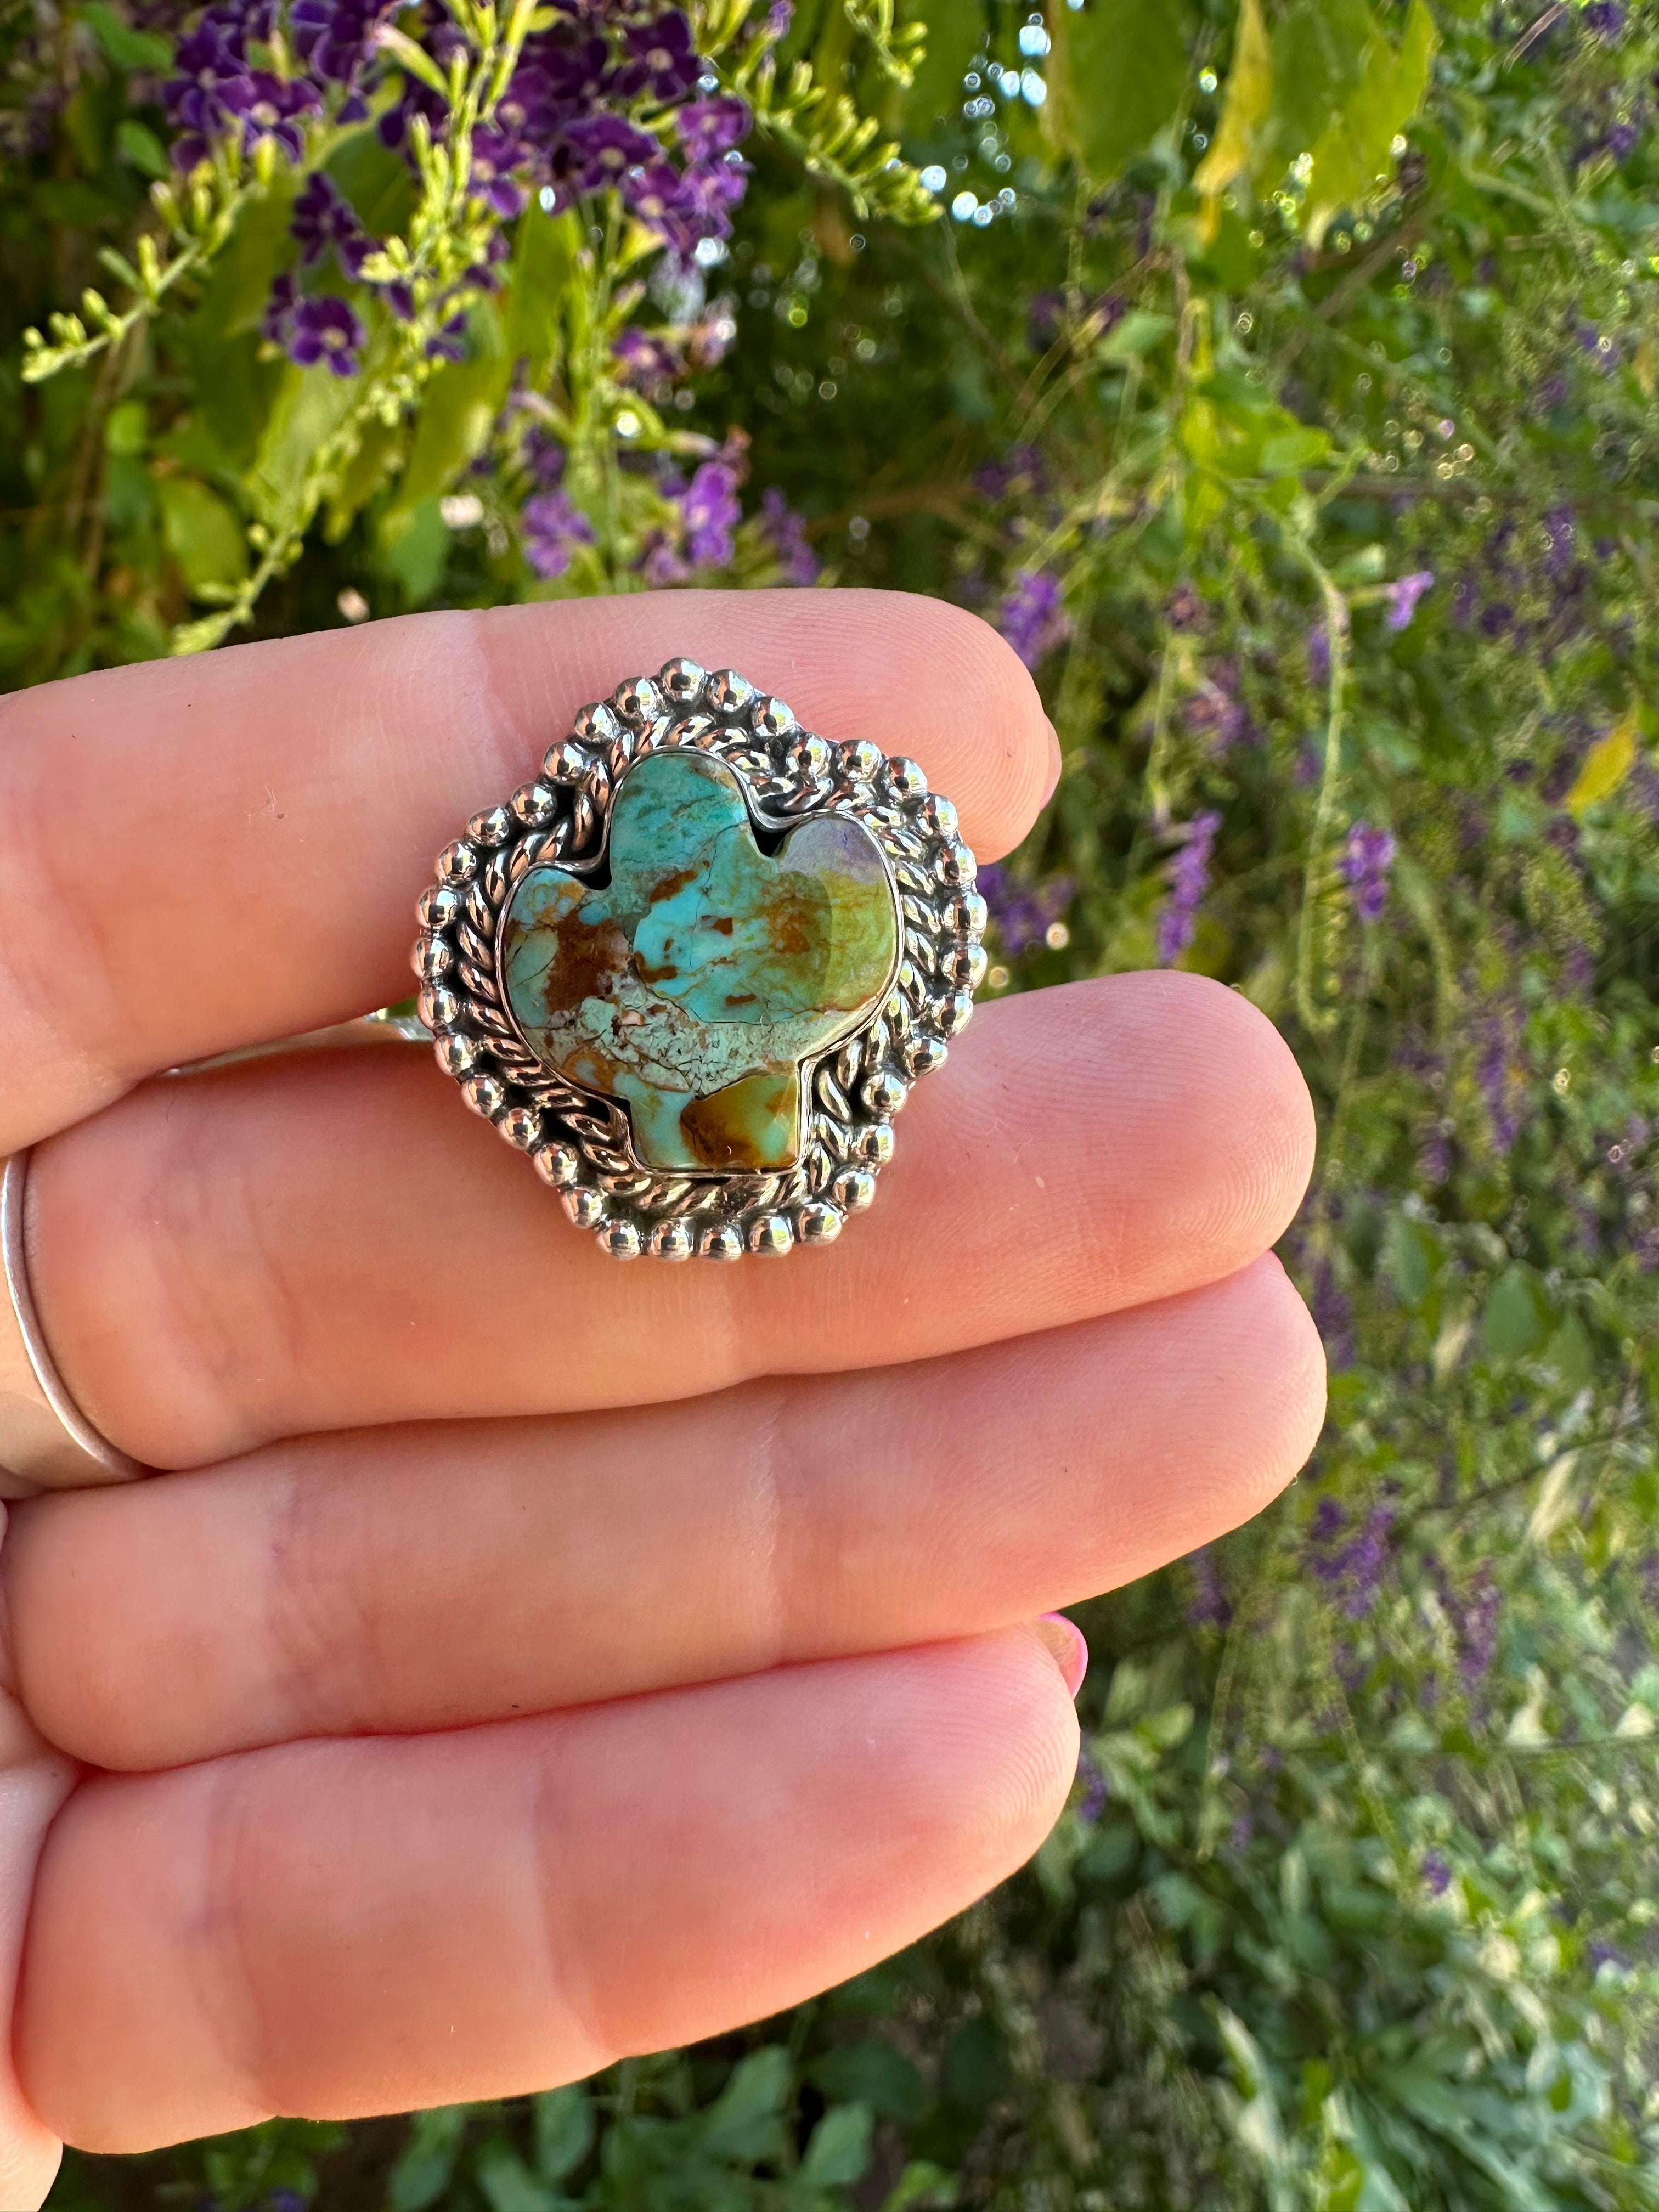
(581, 1143)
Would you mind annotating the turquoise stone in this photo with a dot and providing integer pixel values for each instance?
(695, 983)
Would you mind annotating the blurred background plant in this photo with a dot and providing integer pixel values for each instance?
(1279, 376)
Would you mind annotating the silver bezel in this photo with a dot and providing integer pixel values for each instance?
(580, 1143)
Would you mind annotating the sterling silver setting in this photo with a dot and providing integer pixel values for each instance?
(580, 1143)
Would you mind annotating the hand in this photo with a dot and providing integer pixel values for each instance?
(530, 1659)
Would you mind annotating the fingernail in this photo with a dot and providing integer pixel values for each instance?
(1065, 1639)
(1054, 764)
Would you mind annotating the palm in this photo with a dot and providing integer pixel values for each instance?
(542, 1660)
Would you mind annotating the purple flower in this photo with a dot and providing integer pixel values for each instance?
(1600, 349)
(1434, 1158)
(1031, 616)
(660, 564)
(1319, 654)
(646, 360)
(1436, 1873)
(496, 155)
(268, 107)
(1023, 913)
(322, 218)
(1186, 609)
(1605, 19)
(604, 147)
(664, 60)
(1046, 314)
(1239, 1836)
(788, 532)
(1474, 1617)
(1332, 1314)
(1559, 542)
(1351, 1570)
(709, 128)
(1216, 710)
(553, 529)
(326, 329)
(1498, 1047)
(1404, 595)
(1209, 1608)
(335, 38)
(1364, 867)
(1095, 1791)
(1189, 879)
(709, 505)
(1020, 470)
(779, 16)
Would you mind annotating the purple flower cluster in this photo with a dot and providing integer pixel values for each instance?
(566, 124)
(1365, 865)
(1404, 594)
(1350, 1559)
(1216, 712)
(1189, 879)
(1332, 1313)
(563, 125)
(788, 532)
(1210, 1606)
(1031, 616)
(309, 331)
(554, 528)
(220, 93)
(1474, 1616)
(1497, 1070)
(1023, 913)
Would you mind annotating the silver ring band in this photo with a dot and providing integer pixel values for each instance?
(46, 1442)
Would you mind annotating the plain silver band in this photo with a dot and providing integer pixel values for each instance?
(46, 1442)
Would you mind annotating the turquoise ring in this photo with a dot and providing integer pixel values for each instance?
(694, 967)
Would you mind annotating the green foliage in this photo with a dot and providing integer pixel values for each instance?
(1289, 307)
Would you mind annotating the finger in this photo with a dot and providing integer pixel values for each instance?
(197, 853)
(427, 1578)
(335, 1243)
(334, 1928)
(35, 1778)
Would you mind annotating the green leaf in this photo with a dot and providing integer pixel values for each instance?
(745, 2121)
(1516, 1318)
(1115, 76)
(119, 42)
(564, 2131)
(457, 411)
(1317, 56)
(1351, 156)
(840, 2147)
(955, 29)
(921, 2183)
(312, 406)
(508, 2183)
(140, 148)
(545, 271)
(975, 2070)
(1245, 107)
(412, 547)
(423, 2173)
(1414, 1257)
(203, 532)
(872, 2072)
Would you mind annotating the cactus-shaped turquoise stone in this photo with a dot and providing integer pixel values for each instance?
(695, 983)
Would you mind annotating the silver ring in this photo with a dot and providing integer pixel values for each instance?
(694, 967)
(46, 1442)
